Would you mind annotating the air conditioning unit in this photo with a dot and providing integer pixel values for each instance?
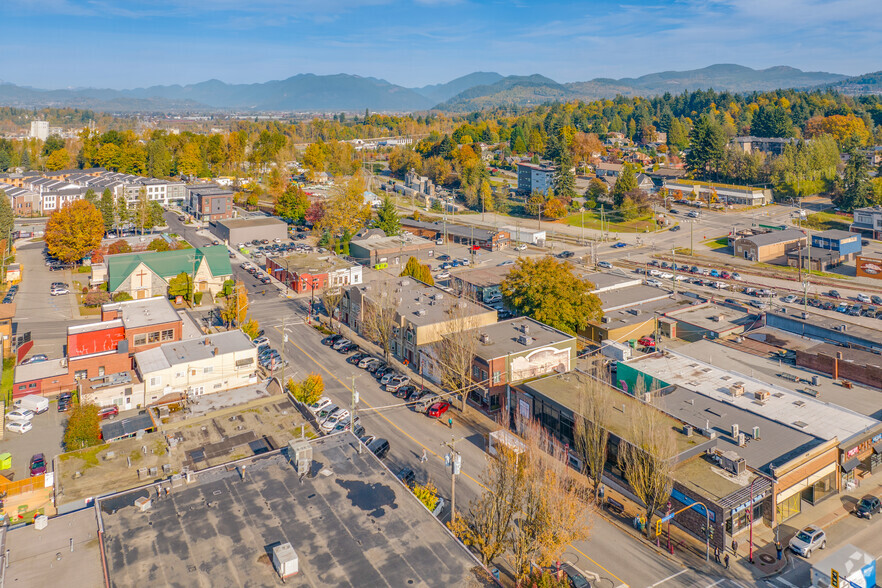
(737, 389)
(761, 395)
(742, 439)
(735, 431)
(756, 432)
(687, 430)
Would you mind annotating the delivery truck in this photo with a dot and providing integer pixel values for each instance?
(33, 403)
(852, 567)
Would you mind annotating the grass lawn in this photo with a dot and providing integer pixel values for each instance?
(612, 221)
(824, 221)
(718, 243)
(6, 382)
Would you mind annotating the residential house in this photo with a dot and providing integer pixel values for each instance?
(606, 169)
(147, 273)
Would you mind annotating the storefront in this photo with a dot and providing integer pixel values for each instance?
(813, 489)
(860, 457)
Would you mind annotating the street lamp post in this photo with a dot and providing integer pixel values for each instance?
(582, 225)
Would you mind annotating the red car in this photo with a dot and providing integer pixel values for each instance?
(108, 412)
(437, 409)
(646, 341)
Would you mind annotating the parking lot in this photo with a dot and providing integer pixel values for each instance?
(44, 438)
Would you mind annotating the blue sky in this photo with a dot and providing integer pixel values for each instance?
(125, 44)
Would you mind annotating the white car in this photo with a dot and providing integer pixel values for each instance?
(863, 298)
(439, 242)
(442, 276)
(653, 282)
(680, 278)
(340, 344)
(790, 298)
(329, 423)
(654, 272)
(20, 427)
(260, 341)
(720, 285)
(323, 402)
(20, 415)
(736, 276)
(666, 276)
(520, 247)
(604, 264)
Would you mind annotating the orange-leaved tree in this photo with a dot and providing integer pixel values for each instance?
(74, 231)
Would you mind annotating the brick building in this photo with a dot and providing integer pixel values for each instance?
(305, 272)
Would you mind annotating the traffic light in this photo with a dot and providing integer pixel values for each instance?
(658, 527)
(834, 579)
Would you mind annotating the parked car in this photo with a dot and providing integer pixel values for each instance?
(388, 377)
(356, 359)
(808, 540)
(666, 276)
(520, 247)
(436, 410)
(20, 427)
(373, 368)
(329, 423)
(20, 414)
(58, 291)
(653, 282)
(404, 391)
(108, 412)
(38, 464)
(396, 382)
(407, 475)
(382, 372)
(322, 403)
(260, 341)
(863, 298)
(876, 299)
(379, 447)
(646, 341)
(65, 399)
(577, 580)
(35, 359)
(834, 294)
(619, 245)
(367, 362)
(604, 264)
(442, 276)
(867, 507)
(331, 339)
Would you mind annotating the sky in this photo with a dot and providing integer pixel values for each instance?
(137, 43)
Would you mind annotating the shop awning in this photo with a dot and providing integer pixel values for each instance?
(877, 448)
(850, 464)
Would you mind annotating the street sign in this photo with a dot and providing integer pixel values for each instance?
(667, 518)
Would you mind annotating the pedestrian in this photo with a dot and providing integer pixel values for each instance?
(734, 546)
(717, 554)
(424, 458)
(601, 492)
(450, 422)
(726, 559)
(778, 549)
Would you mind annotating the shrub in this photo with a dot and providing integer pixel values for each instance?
(121, 246)
(307, 391)
(197, 298)
(96, 298)
(83, 427)
(158, 244)
(122, 297)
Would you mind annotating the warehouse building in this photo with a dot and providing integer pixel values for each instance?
(771, 247)
(245, 230)
(374, 250)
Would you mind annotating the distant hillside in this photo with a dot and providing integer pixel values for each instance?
(726, 76)
(509, 91)
(870, 83)
(441, 92)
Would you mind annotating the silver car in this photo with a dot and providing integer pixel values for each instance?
(808, 540)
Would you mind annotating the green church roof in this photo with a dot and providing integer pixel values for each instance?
(167, 264)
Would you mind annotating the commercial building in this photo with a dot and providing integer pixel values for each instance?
(422, 314)
(307, 272)
(376, 249)
(868, 221)
(631, 313)
(510, 352)
(825, 328)
(239, 518)
(522, 235)
(807, 475)
(244, 230)
(722, 193)
(39, 130)
(147, 273)
(481, 284)
(773, 145)
(828, 249)
(209, 202)
(535, 178)
(100, 349)
(771, 247)
(194, 367)
(706, 320)
(490, 239)
(420, 184)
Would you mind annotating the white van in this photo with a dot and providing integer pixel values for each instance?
(33, 403)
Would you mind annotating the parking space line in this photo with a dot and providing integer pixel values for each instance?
(671, 577)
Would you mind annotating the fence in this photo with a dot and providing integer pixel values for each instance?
(14, 488)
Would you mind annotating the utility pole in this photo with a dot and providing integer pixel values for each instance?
(691, 232)
(453, 460)
(674, 261)
(284, 344)
(582, 226)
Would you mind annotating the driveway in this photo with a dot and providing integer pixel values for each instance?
(44, 438)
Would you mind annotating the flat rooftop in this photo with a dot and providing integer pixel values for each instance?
(828, 322)
(773, 237)
(713, 317)
(504, 335)
(395, 242)
(611, 280)
(40, 370)
(259, 221)
(311, 262)
(420, 303)
(849, 355)
(91, 327)
(350, 522)
(183, 352)
(783, 405)
(484, 276)
(143, 313)
(34, 555)
(612, 300)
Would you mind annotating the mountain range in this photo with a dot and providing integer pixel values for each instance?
(475, 91)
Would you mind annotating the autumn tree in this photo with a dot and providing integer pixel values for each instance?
(647, 456)
(555, 208)
(591, 431)
(455, 352)
(379, 309)
(597, 189)
(83, 427)
(839, 126)
(308, 390)
(404, 159)
(73, 231)
(58, 160)
(119, 246)
(181, 285)
(235, 308)
(251, 328)
(547, 290)
(346, 210)
(292, 204)
(421, 272)
(331, 299)
(387, 218)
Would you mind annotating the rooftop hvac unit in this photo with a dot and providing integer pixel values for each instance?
(421, 312)
(756, 432)
(733, 464)
(485, 339)
(742, 439)
(285, 560)
(143, 504)
(761, 394)
(735, 431)
(687, 430)
(525, 340)
(300, 451)
(736, 389)
(604, 319)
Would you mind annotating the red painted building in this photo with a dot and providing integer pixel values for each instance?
(305, 272)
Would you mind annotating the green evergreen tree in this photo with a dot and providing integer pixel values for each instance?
(7, 220)
(388, 219)
(564, 179)
(854, 189)
(771, 121)
(106, 208)
(625, 184)
(708, 147)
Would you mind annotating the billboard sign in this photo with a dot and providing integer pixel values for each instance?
(868, 267)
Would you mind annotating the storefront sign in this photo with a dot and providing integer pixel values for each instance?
(699, 508)
(756, 500)
(876, 439)
(868, 267)
(853, 451)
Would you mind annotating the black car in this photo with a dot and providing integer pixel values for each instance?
(828, 305)
(348, 348)
(675, 228)
(567, 254)
(408, 476)
(354, 359)
(374, 367)
(404, 391)
(876, 299)
(674, 211)
(867, 507)
(65, 399)
(379, 447)
(331, 339)
(383, 371)
(577, 580)
(833, 294)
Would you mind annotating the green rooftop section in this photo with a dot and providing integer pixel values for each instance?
(167, 264)
(713, 185)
